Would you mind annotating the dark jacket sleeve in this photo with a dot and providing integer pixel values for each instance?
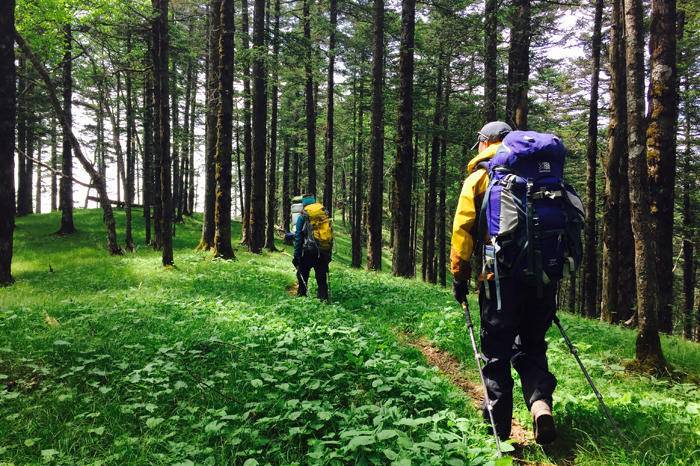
(299, 236)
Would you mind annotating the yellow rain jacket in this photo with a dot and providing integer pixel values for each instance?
(468, 206)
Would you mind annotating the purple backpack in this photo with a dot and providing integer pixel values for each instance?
(530, 220)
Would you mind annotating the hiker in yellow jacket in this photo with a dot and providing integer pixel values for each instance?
(513, 333)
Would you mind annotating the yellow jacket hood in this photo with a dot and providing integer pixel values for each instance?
(484, 155)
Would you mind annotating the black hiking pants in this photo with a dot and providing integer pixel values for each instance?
(515, 335)
(320, 265)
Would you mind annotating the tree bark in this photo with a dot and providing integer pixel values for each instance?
(130, 157)
(590, 273)
(176, 134)
(356, 246)
(430, 214)
(66, 200)
(162, 146)
(519, 65)
(247, 129)
(376, 180)
(147, 154)
(8, 116)
(224, 135)
(54, 166)
(257, 215)
(286, 204)
(97, 181)
(661, 147)
(403, 167)
(491, 60)
(310, 101)
(328, 182)
(207, 241)
(648, 346)
(617, 146)
(442, 195)
(272, 179)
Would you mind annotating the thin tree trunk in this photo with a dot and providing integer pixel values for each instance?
(491, 60)
(519, 65)
(430, 216)
(176, 133)
(442, 195)
(257, 215)
(28, 168)
(310, 101)
(190, 163)
(54, 166)
(376, 181)
(8, 117)
(21, 139)
(66, 201)
(147, 153)
(130, 157)
(224, 134)
(328, 182)
(357, 216)
(272, 180)
(661, 147)
(207, 241)
(247, 129)
(286, 204)
(162, 143)
(590, 273)
(648, 347)
(403, 167)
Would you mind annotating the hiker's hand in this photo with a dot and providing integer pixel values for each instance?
(295, 261)
(460, 290)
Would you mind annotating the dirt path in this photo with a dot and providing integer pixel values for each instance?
(452, 368)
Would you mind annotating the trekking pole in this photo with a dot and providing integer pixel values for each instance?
(300, 277)
(487, 401)
(602, 404)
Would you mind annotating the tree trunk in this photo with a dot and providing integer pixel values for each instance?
(185, 158)
(286, 204)
(272, 180)
(661, 147)
(27, 176)
(97, 181)
(358, 184)
(224, 134)
(247, 130)
(190, 164)
(688, 229)
(328, 182)
(648, 351)
(8, 116)
(176, 133)
(590, 273)
(257, 215)
(310, 101)
(54, 166)
(207, 241)
(147, 153)
(403, 167)
(21, 140)
(430, 214)
(130, 157)
(442, 195)
(66, 201)
(491, 60)
(519, 65)
(162, 146)
(376, 175)
(617, 146)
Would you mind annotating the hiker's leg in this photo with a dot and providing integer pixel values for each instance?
(321, 272)
(304, 269)
(497, 335)
(530, 348)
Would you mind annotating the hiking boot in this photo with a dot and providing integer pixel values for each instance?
(543, 422)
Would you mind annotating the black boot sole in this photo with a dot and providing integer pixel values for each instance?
(544, 429)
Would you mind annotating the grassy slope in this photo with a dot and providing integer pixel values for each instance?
(214, 362)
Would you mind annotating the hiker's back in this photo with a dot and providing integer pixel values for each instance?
(531, 218)
(318, 234)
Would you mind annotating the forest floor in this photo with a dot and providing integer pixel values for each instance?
(116, 360)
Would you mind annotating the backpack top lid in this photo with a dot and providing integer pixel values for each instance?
(531, 155)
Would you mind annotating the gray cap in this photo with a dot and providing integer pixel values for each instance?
(493, 131)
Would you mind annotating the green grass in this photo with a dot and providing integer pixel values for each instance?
(214, 363)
